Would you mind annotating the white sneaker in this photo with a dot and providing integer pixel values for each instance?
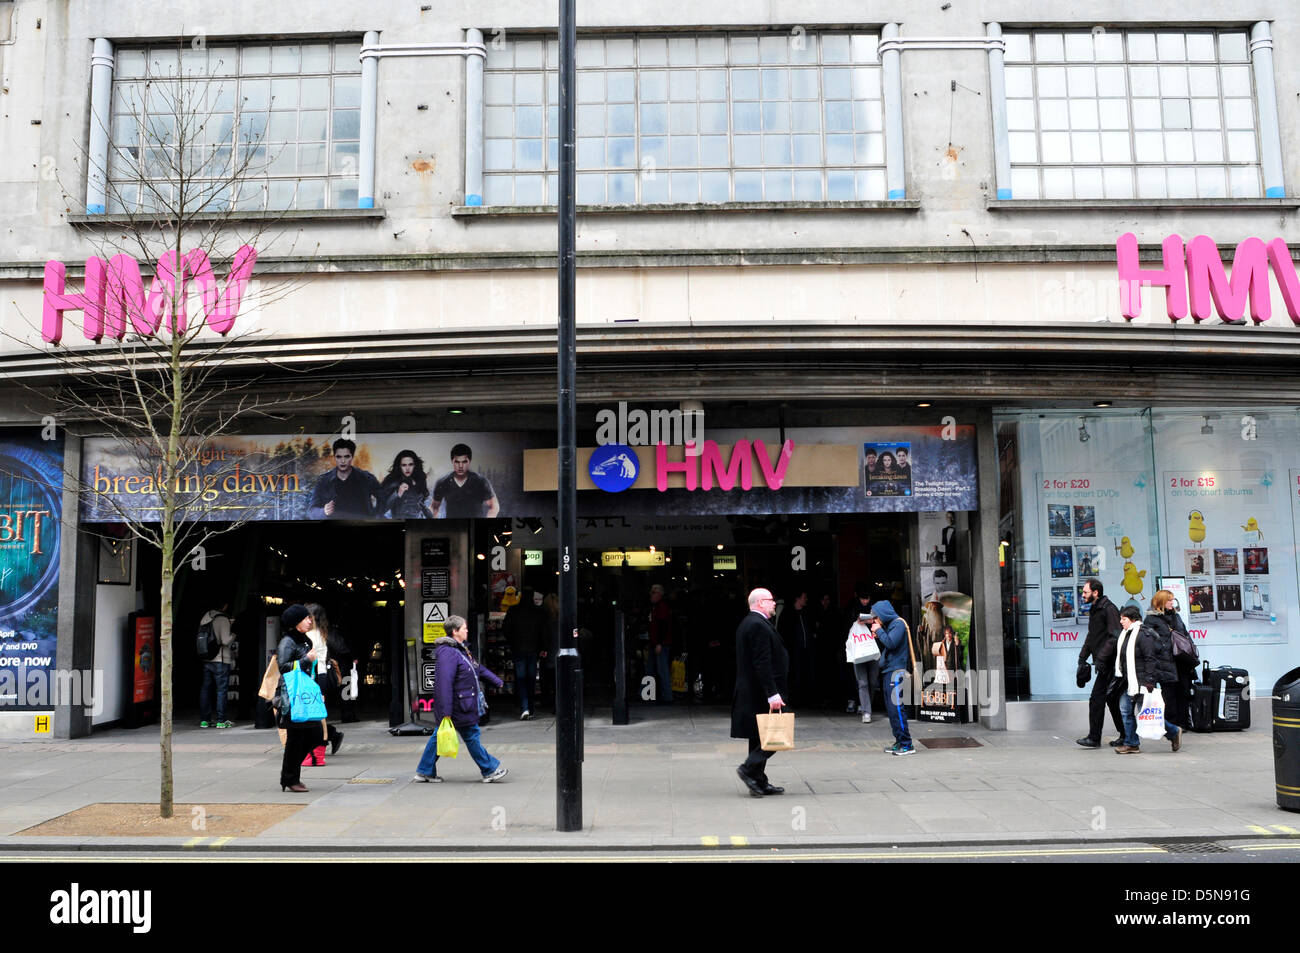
(866, 718)
(496, 775)
(526, 716)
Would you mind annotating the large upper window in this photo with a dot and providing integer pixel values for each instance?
(263, 127)
(1131, 114)
(715, 118)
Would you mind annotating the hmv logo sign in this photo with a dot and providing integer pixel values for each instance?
(1196, 282)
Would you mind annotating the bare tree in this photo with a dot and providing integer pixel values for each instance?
(169, 373)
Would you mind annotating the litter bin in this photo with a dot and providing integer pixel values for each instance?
(1286, 739)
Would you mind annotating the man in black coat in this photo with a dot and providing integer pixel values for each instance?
(1103, 631)
(762, 667)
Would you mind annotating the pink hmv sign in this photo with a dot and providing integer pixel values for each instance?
(1194, 279)
(115, 296)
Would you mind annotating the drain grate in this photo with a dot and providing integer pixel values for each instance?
(1193, 848)
(959, 742)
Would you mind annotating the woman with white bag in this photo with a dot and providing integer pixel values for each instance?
(1141, 705)
(861, 650)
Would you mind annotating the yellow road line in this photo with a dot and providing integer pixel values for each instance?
(1259, 830)
(1286, 830)
(194, 842)
(738, 841)
(709, 841)
(219, 843)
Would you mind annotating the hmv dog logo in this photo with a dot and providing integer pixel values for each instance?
(614, 467)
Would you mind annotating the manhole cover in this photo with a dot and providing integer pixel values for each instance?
(371, 781)
(1194, 848)
(950, 743)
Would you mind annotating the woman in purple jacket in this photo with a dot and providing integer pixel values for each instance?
(456, 693)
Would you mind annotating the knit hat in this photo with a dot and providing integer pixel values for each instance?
(291, 616)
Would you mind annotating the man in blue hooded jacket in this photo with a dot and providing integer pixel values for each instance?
(891, 635)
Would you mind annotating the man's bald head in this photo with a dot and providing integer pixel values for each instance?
(760, 600)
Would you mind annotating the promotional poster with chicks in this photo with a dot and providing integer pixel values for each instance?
(1218, 526)
(1094, 527)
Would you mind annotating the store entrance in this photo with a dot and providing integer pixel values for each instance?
(705, 576)
(353, 570)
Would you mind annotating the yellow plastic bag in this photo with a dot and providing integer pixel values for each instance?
(448, 740)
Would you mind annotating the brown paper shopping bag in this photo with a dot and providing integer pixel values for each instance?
(270, 681)
(776, 731)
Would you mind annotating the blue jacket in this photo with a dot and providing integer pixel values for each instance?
(456, 683)
(892, 638)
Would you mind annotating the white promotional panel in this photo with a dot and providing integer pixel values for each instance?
(1227, 535)
(1091, 526)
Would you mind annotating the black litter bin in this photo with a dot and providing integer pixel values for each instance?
(1286, 739)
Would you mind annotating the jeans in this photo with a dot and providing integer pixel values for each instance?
(893, 689)
(215, 674)
(429, 760)
(660, 664)
(525, 677)
(868, 676)
(1127, 703)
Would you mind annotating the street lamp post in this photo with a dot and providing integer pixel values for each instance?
(568, 667)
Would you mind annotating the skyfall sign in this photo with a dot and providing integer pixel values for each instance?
(114, 295)
(1195, 280)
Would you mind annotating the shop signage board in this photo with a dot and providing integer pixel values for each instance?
(31, 489)
(1091, 525)
(1196, 282)
(435, 551)
(435, 583)
(434, 616)
(145, 654)
(633, 559)
(512, 474)
(115, 299)
(1219, 526)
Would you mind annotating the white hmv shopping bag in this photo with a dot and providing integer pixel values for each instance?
(861, 646)
(1151, 716)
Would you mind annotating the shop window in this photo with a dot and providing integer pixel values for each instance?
(1204, 499)
(252, 127)
(670, 119)
(1125, 114)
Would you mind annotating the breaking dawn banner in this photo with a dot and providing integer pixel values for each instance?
(418, 476)
(31, 481)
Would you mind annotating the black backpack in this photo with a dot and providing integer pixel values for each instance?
(208, 644)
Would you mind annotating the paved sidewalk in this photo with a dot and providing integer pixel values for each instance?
(669, 780)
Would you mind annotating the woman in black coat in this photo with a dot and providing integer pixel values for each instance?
(1185, 665)
(1162, 660)
(300, 737)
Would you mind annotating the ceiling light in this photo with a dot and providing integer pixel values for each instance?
(455, 410)
(1101, 403)
(924, 403)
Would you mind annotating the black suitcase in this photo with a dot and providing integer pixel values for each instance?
(1220, 702)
